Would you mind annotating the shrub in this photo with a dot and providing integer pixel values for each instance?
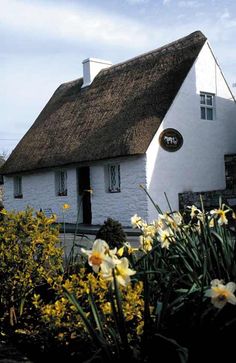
(30, 259)
(112, 232)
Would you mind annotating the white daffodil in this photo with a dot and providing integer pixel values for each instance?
(137, 221)
(194, 211)
(122, 272)
(149, 230)
(221, 213)
(101, 257)
(166, 237)
(220, 294)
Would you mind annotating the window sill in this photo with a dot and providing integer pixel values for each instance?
(18, 196)
(114, 190)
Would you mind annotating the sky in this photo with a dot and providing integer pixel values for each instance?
(43, 44)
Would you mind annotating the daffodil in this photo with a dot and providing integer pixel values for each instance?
(100, 257)
(122, 272)
(166, 237)
(194, 211)
(221, 294)
(137, 221)
(146, 243)
(221, 213)
(66, 206)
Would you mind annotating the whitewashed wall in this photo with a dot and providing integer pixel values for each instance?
(120, 206)
(39, 192)
(199, 164)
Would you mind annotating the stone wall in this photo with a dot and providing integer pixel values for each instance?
(210, 199)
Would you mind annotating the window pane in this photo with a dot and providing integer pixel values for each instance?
(209, 114)
(61, 183)
(114, 178)
(203, 113)
(209, 100)
(202, 99)
(18, 186)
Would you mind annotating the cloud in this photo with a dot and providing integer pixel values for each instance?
(135, 2)
(73, 24)
(166, 2)
(192, 4)
(226, 20)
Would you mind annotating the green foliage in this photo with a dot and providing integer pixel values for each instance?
(112, 232)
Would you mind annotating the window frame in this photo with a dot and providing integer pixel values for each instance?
(113, 171)
(61, 183)
(17, 189)
(206, 106)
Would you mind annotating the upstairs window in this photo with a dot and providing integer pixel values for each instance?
(114, 178)
(207, 105)
(18, 187)
(61, 183)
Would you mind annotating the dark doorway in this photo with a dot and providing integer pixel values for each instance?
(84, 193)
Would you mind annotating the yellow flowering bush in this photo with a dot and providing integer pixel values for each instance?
(29, 257)
(61, 316)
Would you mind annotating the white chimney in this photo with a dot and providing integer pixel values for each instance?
(91, 67)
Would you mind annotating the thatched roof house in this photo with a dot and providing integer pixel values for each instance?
(113, 130)
(117, 115)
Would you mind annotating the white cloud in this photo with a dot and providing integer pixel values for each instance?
(192, 4)
(225, 15)
(73, 24)
(135, 2)
(226, 20)
(166, 2)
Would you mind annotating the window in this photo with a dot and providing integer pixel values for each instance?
(61, 183)
(1, 179)
(207, 103)
(18, 187)
(114, 178)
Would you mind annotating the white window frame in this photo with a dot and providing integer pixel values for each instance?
(61, 183)
(18, 187)
(207, 103)
(114, 178)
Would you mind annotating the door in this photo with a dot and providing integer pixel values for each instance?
(83, 175)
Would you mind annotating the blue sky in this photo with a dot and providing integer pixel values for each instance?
(43, 44)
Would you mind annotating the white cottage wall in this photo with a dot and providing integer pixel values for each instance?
(39, 192)
(120, 206)
(199, 164)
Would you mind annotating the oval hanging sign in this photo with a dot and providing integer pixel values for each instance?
(171, 140)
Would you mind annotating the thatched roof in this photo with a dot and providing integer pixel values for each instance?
(2, 160)
(117, 115)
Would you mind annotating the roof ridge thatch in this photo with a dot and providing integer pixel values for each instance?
(151, 52)
(117, 115)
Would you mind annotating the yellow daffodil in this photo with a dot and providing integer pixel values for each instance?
(66, 206)
(221, 294)
(100, 257)
(221, 213)
(166, 237)
(146, 243)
